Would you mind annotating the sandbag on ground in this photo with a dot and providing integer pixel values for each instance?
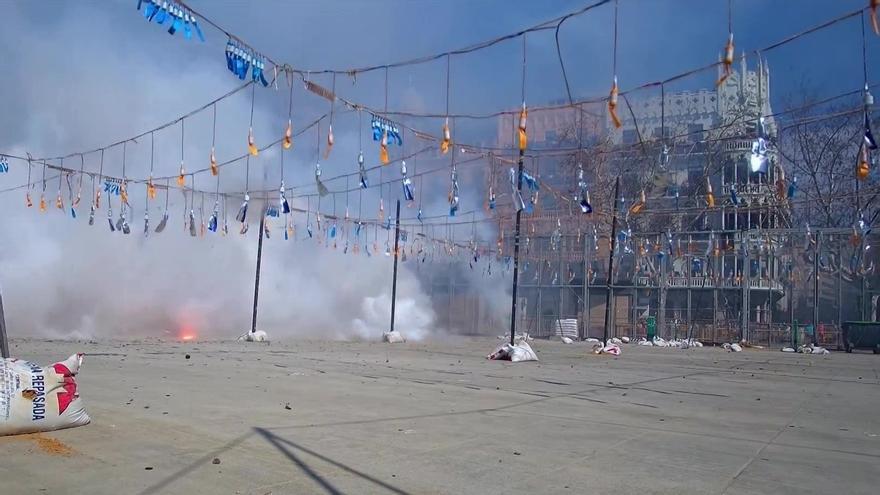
(394, 337)
(34, 398)
(521, 351)
(258, 336)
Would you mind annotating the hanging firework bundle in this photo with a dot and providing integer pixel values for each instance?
(556, 236)
(272, 212)
(330, 141)
(531, 183)
(240, 59)
(583, 197)
(710, 197)
(446, 140)
(212, 220)
(727, 61)
(110, 216)
(193, 232)
(241, 216)
(362, 172)
(518, 202)
(453, 192)
(122, 221)
(612, 104)
(758, 158)
(178, 17)
(164, 221)
(869, 144)
(521, 129)
(322, 189)
(111, 186)
(385, 131)
(639, 205)
(734, 197)
(406, 183)
(282, 200)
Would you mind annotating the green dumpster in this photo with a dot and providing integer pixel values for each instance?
(651, 326)
(861, 335)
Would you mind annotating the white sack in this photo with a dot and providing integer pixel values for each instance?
(34, 398)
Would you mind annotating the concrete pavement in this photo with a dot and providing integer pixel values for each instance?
(438, 418)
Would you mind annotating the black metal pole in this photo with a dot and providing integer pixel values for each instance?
(816, 287)
(516, 247)
(4, 344)
(394, 282)
(257, 277)
(609, 278)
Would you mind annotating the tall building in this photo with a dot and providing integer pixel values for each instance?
(716, 270)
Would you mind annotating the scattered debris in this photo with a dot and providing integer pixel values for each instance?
(187, 356)
(679, 343)
(216, 460)
(624, 339)
(812, 349)
(787, 349)
(287, 406)
(610, 348)
(566, 340)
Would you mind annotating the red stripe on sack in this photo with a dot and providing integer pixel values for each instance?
(66, 396)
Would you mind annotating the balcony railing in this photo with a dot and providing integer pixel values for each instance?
(708, 283)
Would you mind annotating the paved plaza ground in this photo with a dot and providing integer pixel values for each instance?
(301, 417)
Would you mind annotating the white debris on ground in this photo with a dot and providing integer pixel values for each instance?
(36, 398)
(678, 343)
(394, 337)
(787, 349)
(566, 340)
(732, 347)
(519, 351)
(519, 336)
(625, 339)
(812, 349)
(609, 348)
(591, 340)
(258, 336)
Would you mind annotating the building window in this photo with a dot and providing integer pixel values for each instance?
(695, 132)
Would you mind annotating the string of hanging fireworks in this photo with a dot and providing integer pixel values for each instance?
(357, 106)
(419, 133)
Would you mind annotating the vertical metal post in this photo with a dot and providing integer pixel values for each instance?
(561, 277)
(746, 287)
(4, 343)
(396, 247)
(816, 287)
(257, 276)
(609, 278)
(839, 300)
(664, 290)
(585, 294)
(516, 247)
